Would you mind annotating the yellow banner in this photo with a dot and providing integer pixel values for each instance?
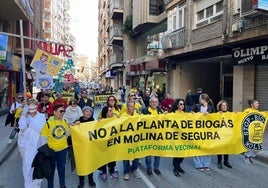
(169, 135)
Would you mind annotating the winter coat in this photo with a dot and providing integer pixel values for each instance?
(42, 163)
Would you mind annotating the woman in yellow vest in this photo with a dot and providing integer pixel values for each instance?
(56, 130)
(113, 103)
(179, 108)
(126, 163)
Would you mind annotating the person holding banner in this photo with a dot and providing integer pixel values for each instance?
(56, 130)
(153, 109)
(222, 107)
(205, 106)
(86, 117)
(130, 112)
(107, 112)
(253, 107)
(178, 107)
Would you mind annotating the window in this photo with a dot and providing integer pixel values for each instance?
(208, 11)
(200, 15)
(219, 6)
(177, 17)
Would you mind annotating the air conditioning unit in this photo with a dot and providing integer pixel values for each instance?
(235, 27)
(166, 43)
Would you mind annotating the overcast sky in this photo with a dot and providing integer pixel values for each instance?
(84, 26)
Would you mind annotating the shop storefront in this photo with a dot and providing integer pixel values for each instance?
(251, 61)
(9, 81)
(4, 90)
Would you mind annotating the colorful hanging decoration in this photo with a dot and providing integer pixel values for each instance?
(68, 65)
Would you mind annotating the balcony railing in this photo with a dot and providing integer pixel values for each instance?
(174, 40)
(115, 58)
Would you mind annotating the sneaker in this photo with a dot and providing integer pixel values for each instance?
(246, 160)
(103, 176)
(126, 177)
(206, 168)
(157, 171)
(200, 169)
(181, 170)
(149, 172)
(176, 173)
(114, 175)
(219, 165)
(250, 159)
(92, 183)
(80, 185)
(228, 164)
(136, 174)
(9, 141)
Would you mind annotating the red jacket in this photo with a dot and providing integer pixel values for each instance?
(166, 104)
(46, 108)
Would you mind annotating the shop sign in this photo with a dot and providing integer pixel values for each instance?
(13, 62)
(3, 47)
(247, 55)
(55, 49)
(110, 74)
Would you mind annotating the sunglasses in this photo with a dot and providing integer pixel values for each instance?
(132, 95)
(62, 111)
(181, 104)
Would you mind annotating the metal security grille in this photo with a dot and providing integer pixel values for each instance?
(262, 86)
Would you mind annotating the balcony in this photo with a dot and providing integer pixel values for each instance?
(17, 10)
(116, 36)
(117, 9)
(148, 15)
(174, 40)
(116, 61)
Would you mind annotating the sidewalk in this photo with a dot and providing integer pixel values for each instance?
(6, 149)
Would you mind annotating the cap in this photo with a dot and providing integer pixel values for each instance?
(87, 108)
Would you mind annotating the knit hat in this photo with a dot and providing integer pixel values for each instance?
(87, 108)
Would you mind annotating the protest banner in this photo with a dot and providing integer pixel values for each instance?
(167, 135)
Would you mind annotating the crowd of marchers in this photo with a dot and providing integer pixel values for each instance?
(44, 136)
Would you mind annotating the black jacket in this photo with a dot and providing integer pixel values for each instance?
(42, 163)
(210, 109)
(146, 111)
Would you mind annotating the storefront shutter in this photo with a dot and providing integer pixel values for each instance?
(262, 86)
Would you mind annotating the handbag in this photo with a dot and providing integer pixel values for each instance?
(10, 118)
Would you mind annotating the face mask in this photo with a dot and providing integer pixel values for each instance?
(32, 108)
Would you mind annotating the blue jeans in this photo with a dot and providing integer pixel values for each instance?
(59, 160)
(202, 161)
(127, 166)
(148, 162)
